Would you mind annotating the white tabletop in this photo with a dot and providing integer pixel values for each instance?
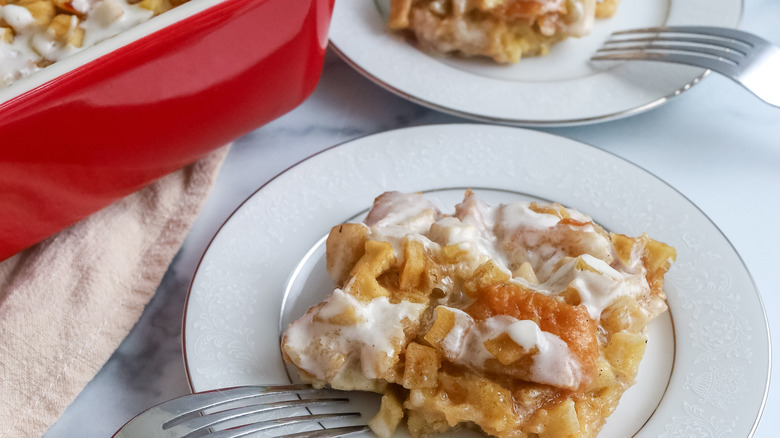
(716, 143)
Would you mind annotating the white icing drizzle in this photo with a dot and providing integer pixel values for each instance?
(597, 290)
(362, 339)
(553, 363)
(396, 215)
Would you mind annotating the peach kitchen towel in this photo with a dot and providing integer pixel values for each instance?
(67, 302)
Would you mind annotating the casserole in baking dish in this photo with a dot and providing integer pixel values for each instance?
(108, 119)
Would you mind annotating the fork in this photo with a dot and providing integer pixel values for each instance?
(749, 60)
(184, 417)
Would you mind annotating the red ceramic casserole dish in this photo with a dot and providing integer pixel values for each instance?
(106, 121)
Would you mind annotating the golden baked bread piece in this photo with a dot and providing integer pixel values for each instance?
(606, 8)
(524, 320)
(504, 30)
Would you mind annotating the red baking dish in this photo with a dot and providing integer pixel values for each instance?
(112, 118)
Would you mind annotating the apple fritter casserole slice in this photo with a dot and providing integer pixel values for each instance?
(504, 30)
(522, 320)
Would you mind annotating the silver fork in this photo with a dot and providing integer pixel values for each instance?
(184, 417)
(749, 60)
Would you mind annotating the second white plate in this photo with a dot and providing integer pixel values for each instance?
(562, 88)
(706, 370)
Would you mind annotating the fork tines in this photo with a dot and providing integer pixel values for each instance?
(703, 46)
(247, 413)
(262, 426)
(259, 409)
(748, 59)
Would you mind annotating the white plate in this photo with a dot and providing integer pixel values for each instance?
(705, 373)
(562, 88)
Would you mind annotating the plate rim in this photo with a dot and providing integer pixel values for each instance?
(755, 291)
(519, 122)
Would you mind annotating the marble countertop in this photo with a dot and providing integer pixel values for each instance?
(716, 143)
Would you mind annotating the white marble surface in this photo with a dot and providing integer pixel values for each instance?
(717, 144)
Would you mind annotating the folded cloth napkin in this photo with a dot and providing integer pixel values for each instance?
(67, 302)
